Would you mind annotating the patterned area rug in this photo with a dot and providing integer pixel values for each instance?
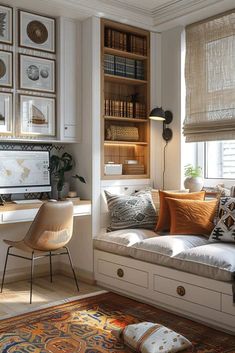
(84, 326)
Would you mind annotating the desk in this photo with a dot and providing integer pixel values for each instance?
(13, 213)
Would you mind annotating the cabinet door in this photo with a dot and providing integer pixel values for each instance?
(69, 82)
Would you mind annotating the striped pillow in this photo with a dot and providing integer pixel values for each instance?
(131, 211)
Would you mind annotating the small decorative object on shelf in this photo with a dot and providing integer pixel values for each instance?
(36, 32)
(122, 133)
(193, 181)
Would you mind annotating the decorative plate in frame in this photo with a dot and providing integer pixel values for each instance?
(6, 113)
(6, 69)
(37, 116)
(37, 74)
(6, 24)
(36, 32)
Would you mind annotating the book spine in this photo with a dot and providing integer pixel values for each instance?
(130, 68)
(120, 66)
(109, 64)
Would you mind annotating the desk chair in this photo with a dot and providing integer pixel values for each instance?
(49, 233)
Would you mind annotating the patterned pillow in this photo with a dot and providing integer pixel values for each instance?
(225, 228)
(131, 211)
(147, 337)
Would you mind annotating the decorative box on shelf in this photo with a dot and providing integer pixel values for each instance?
(113, 169)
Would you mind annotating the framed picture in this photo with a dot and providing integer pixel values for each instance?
(6, 24)
(6, 69)
(36, 32)
(6, 112)
(37, 115)
(37, 74)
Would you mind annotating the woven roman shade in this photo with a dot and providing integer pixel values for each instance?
(210, 79)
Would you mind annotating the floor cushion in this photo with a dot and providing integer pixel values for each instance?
(214, 260)
(161, 249)
(120, 241)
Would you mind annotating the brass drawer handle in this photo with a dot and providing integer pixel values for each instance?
(181, 291)
(120, 272)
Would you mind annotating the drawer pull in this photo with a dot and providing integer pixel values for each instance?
(181, 291)
(120, 273)
(66, 127)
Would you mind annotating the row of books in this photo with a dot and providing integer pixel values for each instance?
(117, 65)
(124, 109)
(125, 41)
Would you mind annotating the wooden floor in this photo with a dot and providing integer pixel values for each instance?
(15, 296)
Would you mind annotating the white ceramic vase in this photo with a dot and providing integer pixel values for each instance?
(194, 184)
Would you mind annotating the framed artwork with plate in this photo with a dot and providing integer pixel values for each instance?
(36, 32)
(6, 112)
(37, 115)
(6, 24)
(36, 74)
(6, 69)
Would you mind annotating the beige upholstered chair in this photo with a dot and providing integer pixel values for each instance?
(49, 233)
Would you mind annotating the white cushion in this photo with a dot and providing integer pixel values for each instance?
(161, 249)
(215, 260)
(147, 337)
(120, 241)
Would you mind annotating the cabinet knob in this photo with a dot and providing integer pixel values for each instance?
(181, 291)
(120, 272)
(66, 127)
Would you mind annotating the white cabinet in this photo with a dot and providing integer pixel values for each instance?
(69, 75)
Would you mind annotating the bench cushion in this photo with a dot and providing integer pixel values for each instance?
(214, 260)
(120, 241)
(161, 249)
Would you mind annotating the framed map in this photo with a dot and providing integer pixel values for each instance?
(37, 115)
(6, 112)
(6, 24)
(36, 31)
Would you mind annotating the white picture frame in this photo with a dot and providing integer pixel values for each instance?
(6, 69)
(37, 32)
(37, 74)
(6, 113)
(6, 24)
(37, 116)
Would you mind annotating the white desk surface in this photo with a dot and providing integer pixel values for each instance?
(14, 213)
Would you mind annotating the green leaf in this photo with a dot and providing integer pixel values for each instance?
(82, 180)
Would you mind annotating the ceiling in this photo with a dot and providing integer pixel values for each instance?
(144, 5)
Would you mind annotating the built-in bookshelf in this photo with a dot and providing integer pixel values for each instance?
(125, 57)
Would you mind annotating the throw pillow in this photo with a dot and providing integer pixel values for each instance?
(163, 224)
(192, 216)
(225, 228)
(147, 337)
(131, 211)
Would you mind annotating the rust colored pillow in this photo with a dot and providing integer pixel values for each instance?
(192, 216)
(163, 224)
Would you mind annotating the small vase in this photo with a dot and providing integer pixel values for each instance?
(194, 184)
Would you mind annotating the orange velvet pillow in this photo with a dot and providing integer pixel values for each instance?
(192, 216)
(163, 224)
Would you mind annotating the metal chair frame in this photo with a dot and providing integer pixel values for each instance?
(35, 257)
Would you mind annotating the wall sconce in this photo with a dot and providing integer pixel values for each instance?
(166, 117)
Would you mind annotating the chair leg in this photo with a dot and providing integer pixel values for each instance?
(5, 266)
(71, 264)
(50, 267)
(31, 277)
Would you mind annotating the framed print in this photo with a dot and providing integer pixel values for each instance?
(6, 112)
(6, 69)
(6, 24)
(37, 115)
(37, 74)
(36, 32)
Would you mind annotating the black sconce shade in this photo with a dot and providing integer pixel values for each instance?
(166, 117)
(157, 114)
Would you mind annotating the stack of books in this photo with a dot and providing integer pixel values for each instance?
(138, 45)
(124, 109)
(133, 169)
(117, 65)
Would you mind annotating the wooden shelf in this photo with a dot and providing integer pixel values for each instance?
(129, 120)
(125, 80)
(125, 54)
(110, 142)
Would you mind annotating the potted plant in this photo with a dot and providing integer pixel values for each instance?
(59, 165)
(193, 181)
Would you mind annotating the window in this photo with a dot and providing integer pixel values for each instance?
(220, 160)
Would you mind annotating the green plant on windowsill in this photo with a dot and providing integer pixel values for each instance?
(193, 181)
(59, 165)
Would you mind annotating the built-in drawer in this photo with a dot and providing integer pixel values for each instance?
(188, 292)
(123, 273)
(228, 306)
(19, 215)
